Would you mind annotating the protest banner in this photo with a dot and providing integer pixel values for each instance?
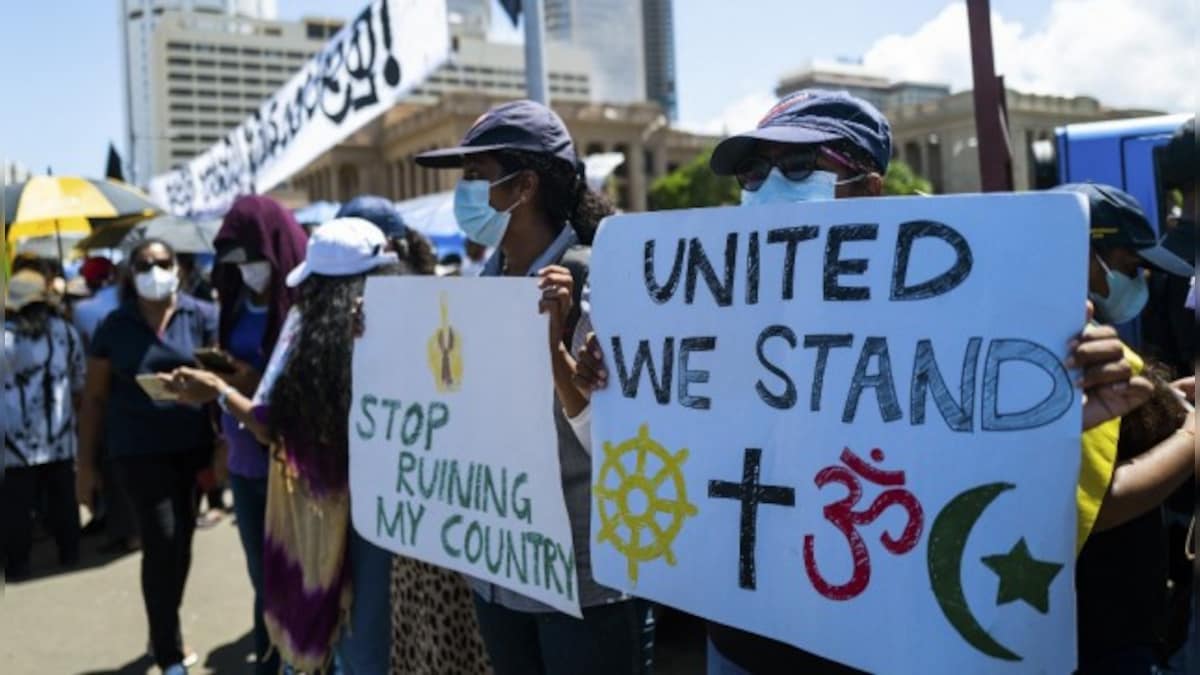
(847, 425)
(453, 449)
(383, 53)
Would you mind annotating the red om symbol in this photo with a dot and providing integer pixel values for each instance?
(845, 519)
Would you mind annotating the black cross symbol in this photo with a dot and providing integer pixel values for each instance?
(751, 495)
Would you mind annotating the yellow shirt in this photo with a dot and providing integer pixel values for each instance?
(1096, 468)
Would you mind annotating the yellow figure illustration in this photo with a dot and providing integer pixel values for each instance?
(634, 506)
(445, 353)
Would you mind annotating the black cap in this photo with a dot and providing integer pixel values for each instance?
(517, 125)
(813, 116)
(1118, 221)
(1179, 159)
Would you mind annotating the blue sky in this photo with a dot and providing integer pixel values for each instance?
(64, 68)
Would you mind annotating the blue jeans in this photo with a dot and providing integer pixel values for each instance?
(250, 508)
(612, 639)
(366, 646)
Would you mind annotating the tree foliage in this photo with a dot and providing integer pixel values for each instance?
(693, 185)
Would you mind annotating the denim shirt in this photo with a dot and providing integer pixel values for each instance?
(576, 468)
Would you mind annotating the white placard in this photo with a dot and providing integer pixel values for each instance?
(453, 449)
(380, 55)
(851, 429)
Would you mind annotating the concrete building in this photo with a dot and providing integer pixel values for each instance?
(498, 69)
(854, 78)
(14, 172)
(194, 69)
(658, 43)
(379, 158)
(937, 137)
(611, 33)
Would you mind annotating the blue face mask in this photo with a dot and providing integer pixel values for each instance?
(777, 189)
(476, 216)
(1126, 296)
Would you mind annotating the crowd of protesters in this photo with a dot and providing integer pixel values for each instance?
(256, 359)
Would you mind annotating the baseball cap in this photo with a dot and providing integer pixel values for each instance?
(1118, 221)
(812, 116)
(342, 247)
(379, 211)
(96, 270)
(25, 288)
(516, 125)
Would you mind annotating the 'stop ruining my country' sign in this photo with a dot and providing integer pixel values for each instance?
(849, 423)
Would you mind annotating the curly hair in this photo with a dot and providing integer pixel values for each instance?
(563, 193)
(310, 402)
(1154, 420)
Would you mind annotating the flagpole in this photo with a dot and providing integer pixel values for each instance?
(535, 42)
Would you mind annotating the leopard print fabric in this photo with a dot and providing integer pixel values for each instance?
(434, 631)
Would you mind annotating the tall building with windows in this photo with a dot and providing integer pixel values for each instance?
(611, 33)
(194, 69)
(658, 40)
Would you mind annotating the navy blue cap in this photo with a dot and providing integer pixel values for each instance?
(1117, 220)
(380, 211)
(812, 116)
(517, 125)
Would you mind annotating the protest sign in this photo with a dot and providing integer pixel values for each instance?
(847, 425)
(453, 449)
(383, 53)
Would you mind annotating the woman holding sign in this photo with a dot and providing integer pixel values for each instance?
(156, 443)
(523, 192)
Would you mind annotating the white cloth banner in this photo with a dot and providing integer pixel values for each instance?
(382, 54)
(453, 449)
(846, 425)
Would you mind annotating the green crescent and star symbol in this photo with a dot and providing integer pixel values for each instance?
(1022, 577)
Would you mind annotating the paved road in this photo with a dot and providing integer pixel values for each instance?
(91, 620)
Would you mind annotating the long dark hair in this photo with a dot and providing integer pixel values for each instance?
(562, 191)
(128, 289)
(1155, 420)
(310, 402)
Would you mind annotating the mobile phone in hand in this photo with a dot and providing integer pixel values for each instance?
(216, 360)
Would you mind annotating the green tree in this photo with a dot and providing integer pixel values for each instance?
(902, 180)
(693, 185)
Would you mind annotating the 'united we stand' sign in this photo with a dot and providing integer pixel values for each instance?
(383, 53)
(847, 425)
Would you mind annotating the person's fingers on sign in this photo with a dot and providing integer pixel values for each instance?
(590, 373)
(556, 285)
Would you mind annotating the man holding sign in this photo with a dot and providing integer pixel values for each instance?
(816, 145)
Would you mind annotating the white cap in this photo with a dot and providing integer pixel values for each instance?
(342, 247)
(25, 288)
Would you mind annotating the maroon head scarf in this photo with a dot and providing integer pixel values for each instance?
(266, 231)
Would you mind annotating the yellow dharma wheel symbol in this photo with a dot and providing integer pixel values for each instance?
(641, 511)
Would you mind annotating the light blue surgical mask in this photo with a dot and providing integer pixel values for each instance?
(476, 216)
(777, 189)
(1126, 298)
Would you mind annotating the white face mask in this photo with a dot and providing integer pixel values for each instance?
(157, 283)
(256, 275)
(1126, 297)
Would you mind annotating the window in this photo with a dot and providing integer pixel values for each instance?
(181, 154)
(226, 49)
(181, 107)
(205, 63)
(251, 66)
(275, 83)
(253, 80)
(179, 61)
(206, 92)
(135, 14)
(207, 78)
(183, 138)
(274, 68)
(273, 32)
(179, 77)
(207, 123)
(180, 92)
(209, 139)
(296, 55)
(251, 51)
(180, 122)
(229, 79)
(230, 110)
(315, 32)
(207, 108)
(179, 46)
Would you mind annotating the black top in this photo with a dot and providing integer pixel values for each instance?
(764, 656)
(1120, 587)
(134, 424)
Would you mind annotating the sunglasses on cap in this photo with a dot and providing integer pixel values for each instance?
(140, 266)
(795, 166)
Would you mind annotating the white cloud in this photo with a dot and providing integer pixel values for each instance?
(741, 115)
(1128, 53)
